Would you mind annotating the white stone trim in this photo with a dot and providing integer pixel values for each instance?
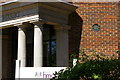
(19, 21)
(17, 69)
(7, 2)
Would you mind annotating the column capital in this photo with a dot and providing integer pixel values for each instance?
(23, 26)
(62, 27)
(20, 27)
(39, 23)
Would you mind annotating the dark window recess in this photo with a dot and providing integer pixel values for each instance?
(30, 46)
(49, 46)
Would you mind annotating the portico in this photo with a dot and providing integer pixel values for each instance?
(61, 44)
(40, 25)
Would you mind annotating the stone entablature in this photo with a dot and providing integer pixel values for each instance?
(49, 12)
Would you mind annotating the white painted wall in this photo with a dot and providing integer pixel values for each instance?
(35, 72)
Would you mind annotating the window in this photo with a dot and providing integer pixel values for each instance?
(49, 46)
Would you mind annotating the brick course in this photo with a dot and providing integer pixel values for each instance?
(105, 14)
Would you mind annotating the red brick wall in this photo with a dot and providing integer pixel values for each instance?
(119, 27)
(105, 14)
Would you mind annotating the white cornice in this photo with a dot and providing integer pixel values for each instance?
(8, 2)
(17, 22)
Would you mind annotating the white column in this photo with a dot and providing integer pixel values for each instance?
(62, 45)
(38, 45)
(22, 46)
